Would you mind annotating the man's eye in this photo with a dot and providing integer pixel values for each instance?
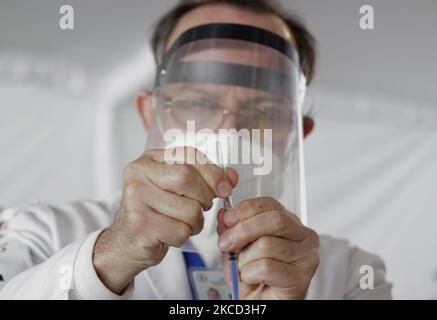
(272, 104)
(204, 103)
(194, 104)
(266, 108)
(200, 103)
(185, 103)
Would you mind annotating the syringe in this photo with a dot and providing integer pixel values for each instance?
(227, 204)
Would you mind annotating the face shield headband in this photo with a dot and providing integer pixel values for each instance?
(247, 76)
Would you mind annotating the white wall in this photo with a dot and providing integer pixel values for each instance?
(372, 169)
(46, 143)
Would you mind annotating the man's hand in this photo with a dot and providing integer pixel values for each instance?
(277, 255)
(162, 206)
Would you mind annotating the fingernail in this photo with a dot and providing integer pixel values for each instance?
(230, 218)
(225, 241)
(224, 188)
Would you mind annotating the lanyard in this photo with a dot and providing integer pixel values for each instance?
(193, 261)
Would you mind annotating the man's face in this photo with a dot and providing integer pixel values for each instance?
(220, 105)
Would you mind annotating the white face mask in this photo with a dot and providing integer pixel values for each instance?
(249, 186)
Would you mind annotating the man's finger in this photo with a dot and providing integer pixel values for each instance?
(211, 173)
(175, 206)
(167, 230)
(180, 179)
(269, 223)
(275, 248)
(249, 208)
(271, 272)
(221, 227)
(233, 176)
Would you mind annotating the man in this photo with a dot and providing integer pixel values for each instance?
(127, 249)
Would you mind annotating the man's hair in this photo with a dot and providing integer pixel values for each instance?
(306, 43)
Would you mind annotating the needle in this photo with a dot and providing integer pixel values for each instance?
(227, 204)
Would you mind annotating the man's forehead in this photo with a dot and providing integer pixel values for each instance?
(251, 55)
(221, 13)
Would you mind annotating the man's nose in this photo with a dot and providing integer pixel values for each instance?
(232, 105)
(230, 121)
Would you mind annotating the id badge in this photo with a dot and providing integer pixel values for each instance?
(209, 284)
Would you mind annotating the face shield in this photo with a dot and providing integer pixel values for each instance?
(235, 93)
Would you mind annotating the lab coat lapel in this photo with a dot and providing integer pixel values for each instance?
(169, 279)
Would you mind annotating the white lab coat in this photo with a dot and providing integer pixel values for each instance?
(46, 253)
